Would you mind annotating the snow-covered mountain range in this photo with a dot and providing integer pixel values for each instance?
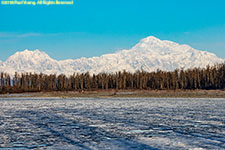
(149, 54)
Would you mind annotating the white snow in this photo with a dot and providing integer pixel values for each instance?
(112, 123)
(149, 54)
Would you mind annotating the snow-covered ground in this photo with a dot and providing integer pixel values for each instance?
(115, 123)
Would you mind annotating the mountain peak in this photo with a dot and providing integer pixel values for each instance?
(28, 54)
(27, 59)
(150, 39)
(31, 52)
(155, 44)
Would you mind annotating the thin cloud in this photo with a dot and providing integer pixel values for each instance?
(18, 35)
(29, 35)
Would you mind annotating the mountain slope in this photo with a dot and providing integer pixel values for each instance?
(149, 54)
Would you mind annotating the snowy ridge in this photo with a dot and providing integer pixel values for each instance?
(149, 54)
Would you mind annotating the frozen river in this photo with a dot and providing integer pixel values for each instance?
(113, 123)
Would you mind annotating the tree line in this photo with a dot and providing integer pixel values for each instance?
(211, 77)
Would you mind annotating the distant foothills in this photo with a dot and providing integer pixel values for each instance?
(211, 77)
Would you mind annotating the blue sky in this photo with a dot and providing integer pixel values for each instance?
(95, 27)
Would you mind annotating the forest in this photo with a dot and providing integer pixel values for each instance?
(211, 77)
